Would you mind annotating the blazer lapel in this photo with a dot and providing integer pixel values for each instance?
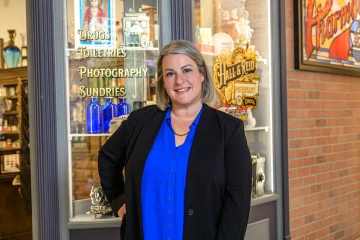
(145, 142)
(201, 148)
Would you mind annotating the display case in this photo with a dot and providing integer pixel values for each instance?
(15, 190)
(104, 83)
(12, 104)
(115, 69)
(238, 40)
(239, 55)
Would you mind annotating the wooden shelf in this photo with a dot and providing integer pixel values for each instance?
(10, 112)
(8, 175)
(11, 74)
(90, 135)
(14, 211)
(9, 97)
(9, 149)
(9, 132)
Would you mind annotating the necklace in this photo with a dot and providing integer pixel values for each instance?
(177, 134)
(180, 135)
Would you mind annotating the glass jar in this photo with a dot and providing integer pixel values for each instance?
(109, 112)
(94, 116)
(123, 108)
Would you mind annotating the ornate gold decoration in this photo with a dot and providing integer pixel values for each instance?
(235, 78)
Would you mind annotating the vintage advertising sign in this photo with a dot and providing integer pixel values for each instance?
(328, 36)
(235, 78)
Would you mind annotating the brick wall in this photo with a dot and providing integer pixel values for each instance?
(324, 150)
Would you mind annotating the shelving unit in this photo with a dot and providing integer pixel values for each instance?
(11, 106)
(15, 203)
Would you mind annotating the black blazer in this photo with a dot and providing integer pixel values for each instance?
(218, 186)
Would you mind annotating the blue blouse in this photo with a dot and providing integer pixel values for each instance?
(163, 184)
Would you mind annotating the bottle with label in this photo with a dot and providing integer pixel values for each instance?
(94, 116)
(6, 126)
(123, 108)
(13, 124)
(109, 112)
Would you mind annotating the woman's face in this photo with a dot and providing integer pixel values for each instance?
(182, 80)
(94, 3)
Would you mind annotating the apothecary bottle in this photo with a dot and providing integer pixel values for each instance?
(109, 112)
(123, 108)
(94, 116)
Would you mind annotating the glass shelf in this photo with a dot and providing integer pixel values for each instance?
(266, 129)
(141, 48)
(69, 50)
(88, 135)
(208, 54)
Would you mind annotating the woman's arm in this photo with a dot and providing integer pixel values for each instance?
(235, 212)
(111, 162)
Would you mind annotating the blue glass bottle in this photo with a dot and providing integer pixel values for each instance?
(11, 52)
(109, 112)
(123, 108)
(94, 116)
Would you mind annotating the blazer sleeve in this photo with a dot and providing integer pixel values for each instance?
(235, 212)
(111, 162)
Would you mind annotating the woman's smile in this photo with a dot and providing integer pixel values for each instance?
(182, 90)
(182, 80)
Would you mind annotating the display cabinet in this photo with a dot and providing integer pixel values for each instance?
(234, 37)
(237, 41)
(12, 103)
(15, 204)
(104, 82)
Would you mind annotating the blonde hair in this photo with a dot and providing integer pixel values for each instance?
(187, 48)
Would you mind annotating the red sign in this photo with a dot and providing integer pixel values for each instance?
(331, 32)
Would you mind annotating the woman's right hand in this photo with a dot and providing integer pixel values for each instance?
(122, 211)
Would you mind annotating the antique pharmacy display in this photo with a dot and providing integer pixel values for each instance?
(238, 56)
(111, 64)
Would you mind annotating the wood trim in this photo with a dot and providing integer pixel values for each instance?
(11, 73)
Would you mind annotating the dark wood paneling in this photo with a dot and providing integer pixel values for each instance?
(14, 223)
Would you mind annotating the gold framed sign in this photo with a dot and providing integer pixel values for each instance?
(235, 78)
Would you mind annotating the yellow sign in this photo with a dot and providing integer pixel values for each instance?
(235, 78)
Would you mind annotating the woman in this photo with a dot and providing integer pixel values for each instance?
(188, 166)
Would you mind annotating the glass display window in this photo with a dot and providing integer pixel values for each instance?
(112, 48)
(235, 38)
